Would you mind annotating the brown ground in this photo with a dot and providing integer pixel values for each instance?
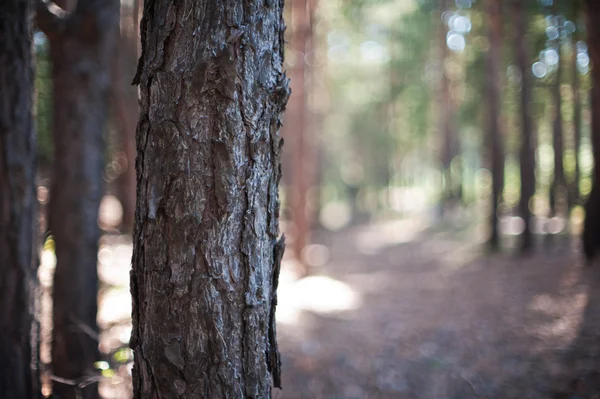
(403, 312)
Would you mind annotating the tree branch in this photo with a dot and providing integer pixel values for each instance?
(50, 17)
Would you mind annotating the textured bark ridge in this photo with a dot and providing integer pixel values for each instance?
(81, 47)
(18, 330)
(206, 249)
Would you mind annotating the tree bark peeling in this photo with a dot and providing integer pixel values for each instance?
(206, 249)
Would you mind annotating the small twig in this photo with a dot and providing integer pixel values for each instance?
(470, 384)
(89, 331)
(80, 382)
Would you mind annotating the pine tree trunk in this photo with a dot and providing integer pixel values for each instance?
(447, 109)
(591, 230)
(527, 150)
(19, 378)
(494, 134)
(296, 128)
(575, 195)
(81, 48)
(557, 193)
(125, 102)
(206, 255)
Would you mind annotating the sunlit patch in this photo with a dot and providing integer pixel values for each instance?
(115, 305)
(110, 212)
(461, 24)
(556, 225)
(551, 56)
(335, 215)
(316, 255)
(114, 263)
(372, 51)
(319, 294)
(375, 238)
(565, 314)
(512, 225)
(539, 69)
(552, 32)
(455, 41)
(42, 195)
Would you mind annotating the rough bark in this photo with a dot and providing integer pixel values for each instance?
(19, 377)
(527, 149)
(81, 47)
(591, 230)
(494, 133)
(558, 189)
(206, 251)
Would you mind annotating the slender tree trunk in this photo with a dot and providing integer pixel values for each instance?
(19, 378)
(494, 134)
(295, 127)
(81, 48)
(125, 101)
(206, 254)
(558, 192)
(591, 230)
(527, 150)
(446, 113)
(574, 191)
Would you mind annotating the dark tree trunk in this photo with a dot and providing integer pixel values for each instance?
(126, 109)
(81, 48)
(527, 150)
(206, 255)
(19, 377)
(574, 194)
(591, 230)
(494, 134)
(558, 189)
(447, 110)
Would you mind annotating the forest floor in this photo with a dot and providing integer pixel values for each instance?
(400, 310)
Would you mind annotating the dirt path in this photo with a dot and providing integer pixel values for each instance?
(431, 318)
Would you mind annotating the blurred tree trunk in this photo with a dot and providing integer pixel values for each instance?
(494, 133)
(206, 255)
(574, 194)
(558, 189)
(447, 126)
(295, 130)
(19, 378)
(527, 150)
(591, 229)
(81, 47)
(125, 100)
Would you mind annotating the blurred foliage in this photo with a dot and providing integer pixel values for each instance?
(382, 68)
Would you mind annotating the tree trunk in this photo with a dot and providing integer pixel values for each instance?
(81, 48)
(557, 193)
(494, 138)
(295, 128)
(125, 102)
(591, 229)
(206, 255)
(575, 195)
(19, 378)
(527, 150)
(447, 111)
